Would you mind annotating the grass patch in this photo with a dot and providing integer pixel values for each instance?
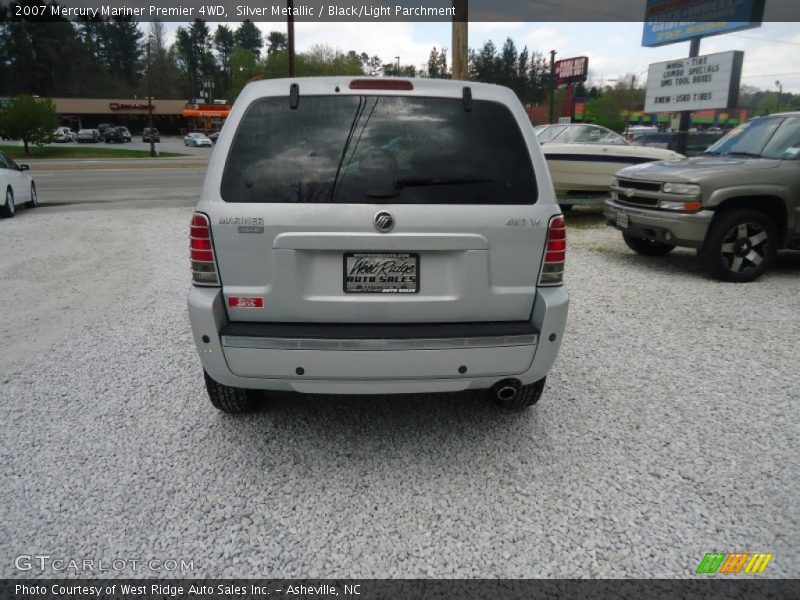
(585, 218)
(93, 151)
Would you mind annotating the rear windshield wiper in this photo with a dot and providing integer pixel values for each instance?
(429, 181)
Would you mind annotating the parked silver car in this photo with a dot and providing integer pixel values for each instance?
(89, 136)
(373, 236)
(197, 140)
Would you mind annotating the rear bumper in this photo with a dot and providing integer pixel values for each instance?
(679, 229)
(383, 359)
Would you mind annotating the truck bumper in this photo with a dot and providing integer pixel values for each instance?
(374, 366)
(678, 229)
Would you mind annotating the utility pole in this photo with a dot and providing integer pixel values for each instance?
(779, 85)
(552, 86)
(290, 35)
(686, 115)
(150, 97)
(398, 65)
(460, 34)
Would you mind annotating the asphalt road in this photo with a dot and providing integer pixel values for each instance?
(668, 427)
(117, 184)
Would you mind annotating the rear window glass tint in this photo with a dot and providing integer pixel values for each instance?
(367, 149)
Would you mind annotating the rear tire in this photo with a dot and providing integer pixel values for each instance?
(34, 201)
(527, 396)
(231, 400)
(646, 247)
(740, 246)
(9, 208)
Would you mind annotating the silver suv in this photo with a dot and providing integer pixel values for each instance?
(377, 236)
(737, 204)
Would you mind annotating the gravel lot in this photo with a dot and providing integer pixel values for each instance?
(668, 429)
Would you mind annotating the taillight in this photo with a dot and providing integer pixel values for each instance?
(204, 267)
(555, 253)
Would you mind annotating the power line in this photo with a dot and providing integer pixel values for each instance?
(770, 75)
(750, 37)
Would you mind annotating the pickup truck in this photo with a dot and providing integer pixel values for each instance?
(737, 204)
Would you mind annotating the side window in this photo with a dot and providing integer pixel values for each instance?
(5, 162)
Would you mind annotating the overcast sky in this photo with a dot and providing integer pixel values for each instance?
(614, 49)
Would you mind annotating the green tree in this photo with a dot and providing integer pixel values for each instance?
(538, 78)
(277, 41)
(319, 60)
(224, 43)
(162, 67)
(248, 36)
(373, 65)
(122, 51)
(244, 67)
(437, 64)
(43, 57)
(29, 119)
(521, 78)
(507, 74)
(197, 64)
(484, 64)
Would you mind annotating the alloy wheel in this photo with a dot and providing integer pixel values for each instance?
(744, 247)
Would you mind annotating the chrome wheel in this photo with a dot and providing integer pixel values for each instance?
(744, 247)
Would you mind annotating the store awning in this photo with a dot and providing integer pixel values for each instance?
(191, 112)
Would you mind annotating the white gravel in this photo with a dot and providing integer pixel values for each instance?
(668, 429)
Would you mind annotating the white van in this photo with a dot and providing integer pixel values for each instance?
(377, 236)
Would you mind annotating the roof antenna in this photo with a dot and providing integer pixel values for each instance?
(294, 96)
(466, 96)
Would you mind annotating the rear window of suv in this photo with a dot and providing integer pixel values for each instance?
(368, 149)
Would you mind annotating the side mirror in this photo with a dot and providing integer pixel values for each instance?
(24, 167)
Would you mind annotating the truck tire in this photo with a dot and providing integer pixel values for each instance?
(646, 247)
(527, 396)
(740, 246)
(231, 400)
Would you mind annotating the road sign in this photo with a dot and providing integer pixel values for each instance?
(697, 83)
(670, 21)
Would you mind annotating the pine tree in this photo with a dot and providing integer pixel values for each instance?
(248, 36)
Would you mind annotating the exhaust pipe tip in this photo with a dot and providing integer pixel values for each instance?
(506, 389)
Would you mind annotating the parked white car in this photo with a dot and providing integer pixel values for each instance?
(377, 236)
(197, 140)
(63, 134)
(16, 185)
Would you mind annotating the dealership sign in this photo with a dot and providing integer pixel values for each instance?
(702, 82)
(572, 70)
(669, 21)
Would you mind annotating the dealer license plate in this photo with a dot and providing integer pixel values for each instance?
(381, 273)
(622, 220)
